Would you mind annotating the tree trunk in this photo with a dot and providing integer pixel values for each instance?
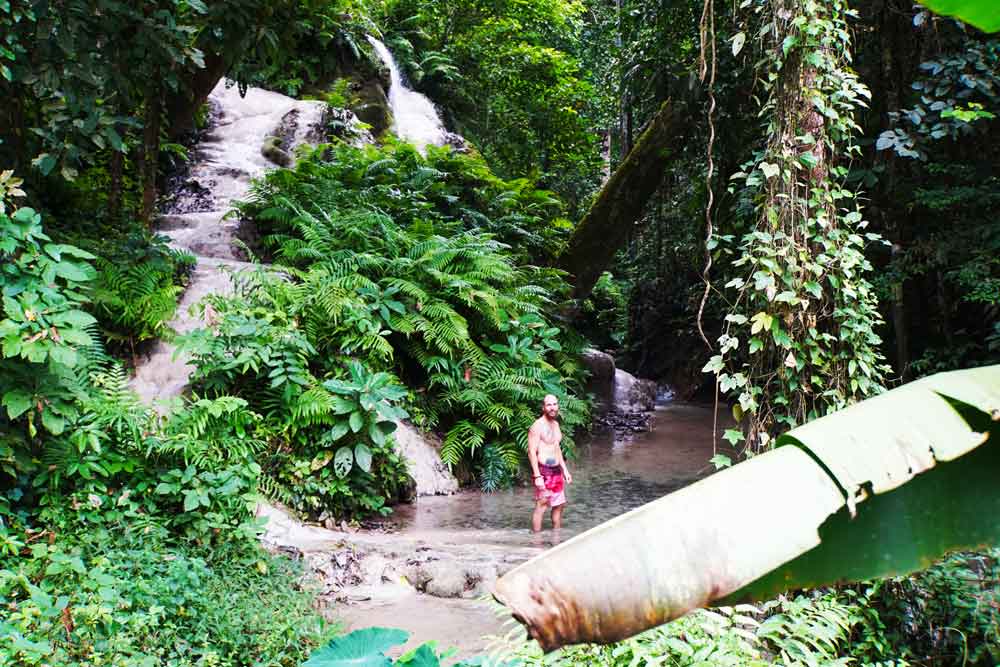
(150, 150)
(899, 323)
(182, 105)
(620, 203)
(115, 168)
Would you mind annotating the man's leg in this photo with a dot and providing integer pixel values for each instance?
(536, 518)
(557, 516)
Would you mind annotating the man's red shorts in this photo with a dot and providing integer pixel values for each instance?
(554, 492)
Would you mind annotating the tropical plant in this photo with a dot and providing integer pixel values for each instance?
(98, 596)
(137, 287)
(913, 467)
(368, 646)
(48, 338)
(390, 265)
(329, 448)
(801, 336)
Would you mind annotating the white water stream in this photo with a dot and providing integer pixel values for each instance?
(415, 118)
(226, 160)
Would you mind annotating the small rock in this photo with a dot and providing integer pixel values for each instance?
(447, 581)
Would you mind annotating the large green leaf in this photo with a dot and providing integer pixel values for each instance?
(422, 656)
(363, 456)
(343, 461)
(984, 14)
(361, 648)
(883, 487)
(17, 402)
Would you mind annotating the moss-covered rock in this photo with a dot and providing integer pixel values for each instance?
(272, 150)
(371, 104)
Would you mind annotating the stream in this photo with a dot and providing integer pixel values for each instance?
(611, 476)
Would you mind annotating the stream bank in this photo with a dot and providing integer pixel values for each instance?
(429, 567)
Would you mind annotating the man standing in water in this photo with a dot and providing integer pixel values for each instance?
(548, 468)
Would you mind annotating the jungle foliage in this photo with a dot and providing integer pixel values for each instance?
(121, 533)
(394, 266)
(415, 286)
(509, 77)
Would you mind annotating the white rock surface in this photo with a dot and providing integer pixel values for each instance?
(633, 394)
(422, 449)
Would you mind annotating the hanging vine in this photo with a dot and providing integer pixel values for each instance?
(800, 338)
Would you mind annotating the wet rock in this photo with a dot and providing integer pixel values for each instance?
(272, 150)
(632, 394)
(422, 450)
(602, 378)
(372, 106)
(480, 581)
(458, 142)
(618, 394)
(446, 580)
(344, 125)
(625, 424)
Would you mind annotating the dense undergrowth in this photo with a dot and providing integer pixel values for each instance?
(399, 295)
(126, 538)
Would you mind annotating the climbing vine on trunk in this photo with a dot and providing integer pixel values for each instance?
(800, 338)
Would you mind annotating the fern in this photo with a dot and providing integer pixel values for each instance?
(442, 241)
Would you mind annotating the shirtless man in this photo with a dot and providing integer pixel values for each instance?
(548, 468)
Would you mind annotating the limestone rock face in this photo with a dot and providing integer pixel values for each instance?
(421, 450)
(633, 394)
(602, 378)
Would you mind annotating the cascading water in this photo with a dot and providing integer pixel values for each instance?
(414, 117)
(225, 162)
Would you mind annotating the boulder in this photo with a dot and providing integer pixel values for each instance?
(445, 579)
(372, 105)
(602, 378)
(633, 394)
(272, 150)
(422, 452)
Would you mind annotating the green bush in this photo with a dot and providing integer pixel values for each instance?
(100, 598)
(138, 284)
(394, 260)
(948, 614)
(441, 193)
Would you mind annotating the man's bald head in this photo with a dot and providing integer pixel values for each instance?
(550, 406)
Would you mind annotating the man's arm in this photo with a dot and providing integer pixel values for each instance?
(536, 477)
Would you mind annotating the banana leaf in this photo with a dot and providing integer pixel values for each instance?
(881, 488)
(984, 14)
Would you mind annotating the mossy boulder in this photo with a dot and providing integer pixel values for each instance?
(273, 151)
(371, 104)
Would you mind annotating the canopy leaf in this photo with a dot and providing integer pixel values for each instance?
(981, 13)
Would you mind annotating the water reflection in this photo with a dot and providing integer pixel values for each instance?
(609, 478)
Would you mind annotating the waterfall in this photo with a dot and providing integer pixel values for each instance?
(414, 117)
(225, 161)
